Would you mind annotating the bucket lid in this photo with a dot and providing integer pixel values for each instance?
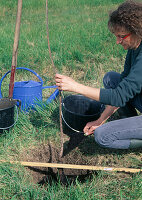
(6, 103)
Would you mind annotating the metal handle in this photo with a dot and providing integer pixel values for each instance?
(68, 124)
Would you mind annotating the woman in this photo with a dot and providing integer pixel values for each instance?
(122, 91)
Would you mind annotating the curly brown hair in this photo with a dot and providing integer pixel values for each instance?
(129, 16)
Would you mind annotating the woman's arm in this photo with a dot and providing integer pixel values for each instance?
(91, 126)
(68, 84)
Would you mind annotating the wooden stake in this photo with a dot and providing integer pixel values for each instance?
(71, 166)
(17, 33)
(15, 48)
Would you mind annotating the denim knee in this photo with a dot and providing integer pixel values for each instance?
(111, 79)
(98, 136)
(102, 137)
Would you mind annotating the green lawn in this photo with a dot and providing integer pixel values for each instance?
(83, 48)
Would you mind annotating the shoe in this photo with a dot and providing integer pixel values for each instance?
(135, 143)
(127, 111)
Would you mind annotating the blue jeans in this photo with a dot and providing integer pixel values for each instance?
(118, 134)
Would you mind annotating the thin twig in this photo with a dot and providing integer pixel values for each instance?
(60, 97)
(50, 54)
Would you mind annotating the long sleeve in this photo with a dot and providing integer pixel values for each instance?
(131, 83)
(127, 65)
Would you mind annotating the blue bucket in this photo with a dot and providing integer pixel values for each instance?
(30, 92)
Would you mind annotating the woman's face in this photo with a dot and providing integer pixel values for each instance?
(126, 39)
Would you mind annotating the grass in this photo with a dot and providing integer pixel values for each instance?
(16, 186)
(83, 48)
(73, 34)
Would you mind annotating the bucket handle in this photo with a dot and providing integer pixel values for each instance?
(68, 124)
(13, 123)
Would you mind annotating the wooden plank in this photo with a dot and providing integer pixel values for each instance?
(71, 166)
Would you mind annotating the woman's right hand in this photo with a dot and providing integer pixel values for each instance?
(91, 127)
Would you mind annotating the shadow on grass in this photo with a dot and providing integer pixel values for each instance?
(51, 177)
(86, 145)
(90, 147)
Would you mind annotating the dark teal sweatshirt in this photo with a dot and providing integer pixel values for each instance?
(130, 84)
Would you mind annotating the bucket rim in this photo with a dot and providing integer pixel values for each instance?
(102, 106)
(83, 114)
(14, 101)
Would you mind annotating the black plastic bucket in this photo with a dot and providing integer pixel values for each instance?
(7, 113)
(77, 110)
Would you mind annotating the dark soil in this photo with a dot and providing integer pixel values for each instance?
(50, 154)
(80, 150)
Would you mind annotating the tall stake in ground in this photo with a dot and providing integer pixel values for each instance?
(15, 48)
